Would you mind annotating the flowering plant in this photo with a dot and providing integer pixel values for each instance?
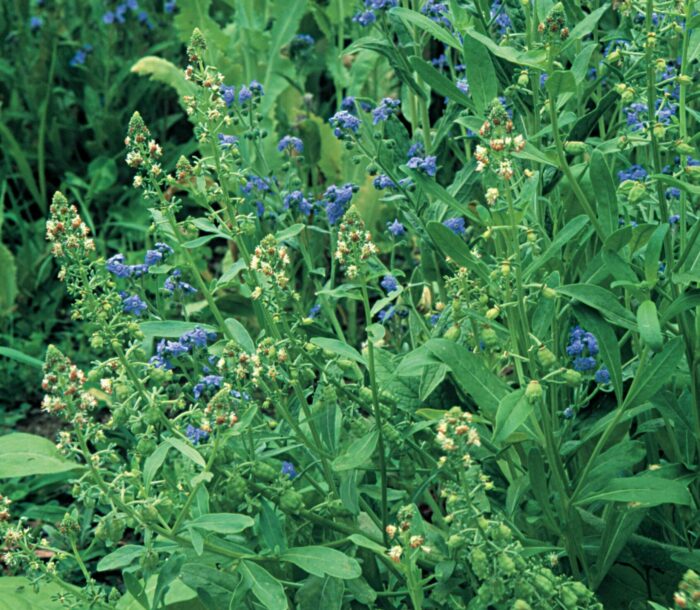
(453, 366)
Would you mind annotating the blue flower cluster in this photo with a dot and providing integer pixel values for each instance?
(206, 383)
(116, 265)
(633, 172)
(196, 435)
(425, 165)
(196, 338)
(369, 15)
(257, 187)
(80, 56)
(297, 198)
(132, 304)
(173, 284)
(118, 15)
(638, 114)
(252, 91)
(290, 143)
(344, 123)
(226, 141)
(301, 45)
(583, 348)
(500, 18)
(35, 23)
(437, 11)
(389, 283)
(386, 108)
(337, 199)
(456, 225)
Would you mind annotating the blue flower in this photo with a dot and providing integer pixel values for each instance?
(386, 314)
(602, 375)
(673, 192)
(385, 109)
(244, 95)
(120, 12)
(35, 23)
(382, 182)
(116, 266)
(297, 198)
(348, 104)
(500, 17)
(343, 123)
(365, 18)
(583, 364)
(289, 143)
(289, 470)
(228, 94)
(256, 88)
(543, 78)
(416, 150)
(456, 225)
(463, 85)
(227, 141)
(337, 199)
(568, 412)
(634, 172)
(173, 283)
(672, 220)
(314, 311)
(434, 319)
(133, 5)
(108, 18)
(205, 383)
(169, 6)
(197, 337)
(158, 255)
(425, 165)
(395, 228)
(196, 434)
(389, 283)
(133, 305)
(78, 59)
(437, 11)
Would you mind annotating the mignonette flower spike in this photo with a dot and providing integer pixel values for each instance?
(354, 246)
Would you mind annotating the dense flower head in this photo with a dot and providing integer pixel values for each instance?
(80, 56)
(297, 198)
(456, 225)
(425, 165)
(354, 246)
(395, 228)
(336, 199)
(369, 15)
(344, 123)
(602, 375)
(289, 143)
(348, 104)
(637, 114)
(227, 141)
(386, 108)
(582, 347)
(500, 17)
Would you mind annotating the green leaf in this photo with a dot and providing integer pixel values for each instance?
(165, 72)
(481, 75)
(605, 193)
(153, 462)
(271, 528)
(471, 374)
(23, 455)
(686, 301)
(653, 253)
(431, 378)
(264, 586)
(321, 561)
(189, 452)
(453, 246)
(560, 83)
(102, 172)
(367, 543)
(534, 59)
(339, 348)
(316, 593)
(584, 27)
(12, 148)
(440, 194)
(656, 373)
(648, 323)
(563, 237)
(593, 322)
(691, 189)
(240, 334)
(14, 354)
(601, 299)
(17, 593)
(8, 280)
(358, 452)
(222, 523)
(289, 232)
(438, 82)
(513, 411)
(644, 489)
(123, 557)
(427, 25)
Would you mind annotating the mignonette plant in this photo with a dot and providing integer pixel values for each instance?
(453, 364)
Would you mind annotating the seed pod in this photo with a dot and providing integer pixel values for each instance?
(573, 378)
(534, 391)
(546, 357)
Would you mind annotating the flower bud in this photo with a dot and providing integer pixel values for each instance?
(534, 391)
(546, 357)
(573, 378)
(575, 147)
(493, 313)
